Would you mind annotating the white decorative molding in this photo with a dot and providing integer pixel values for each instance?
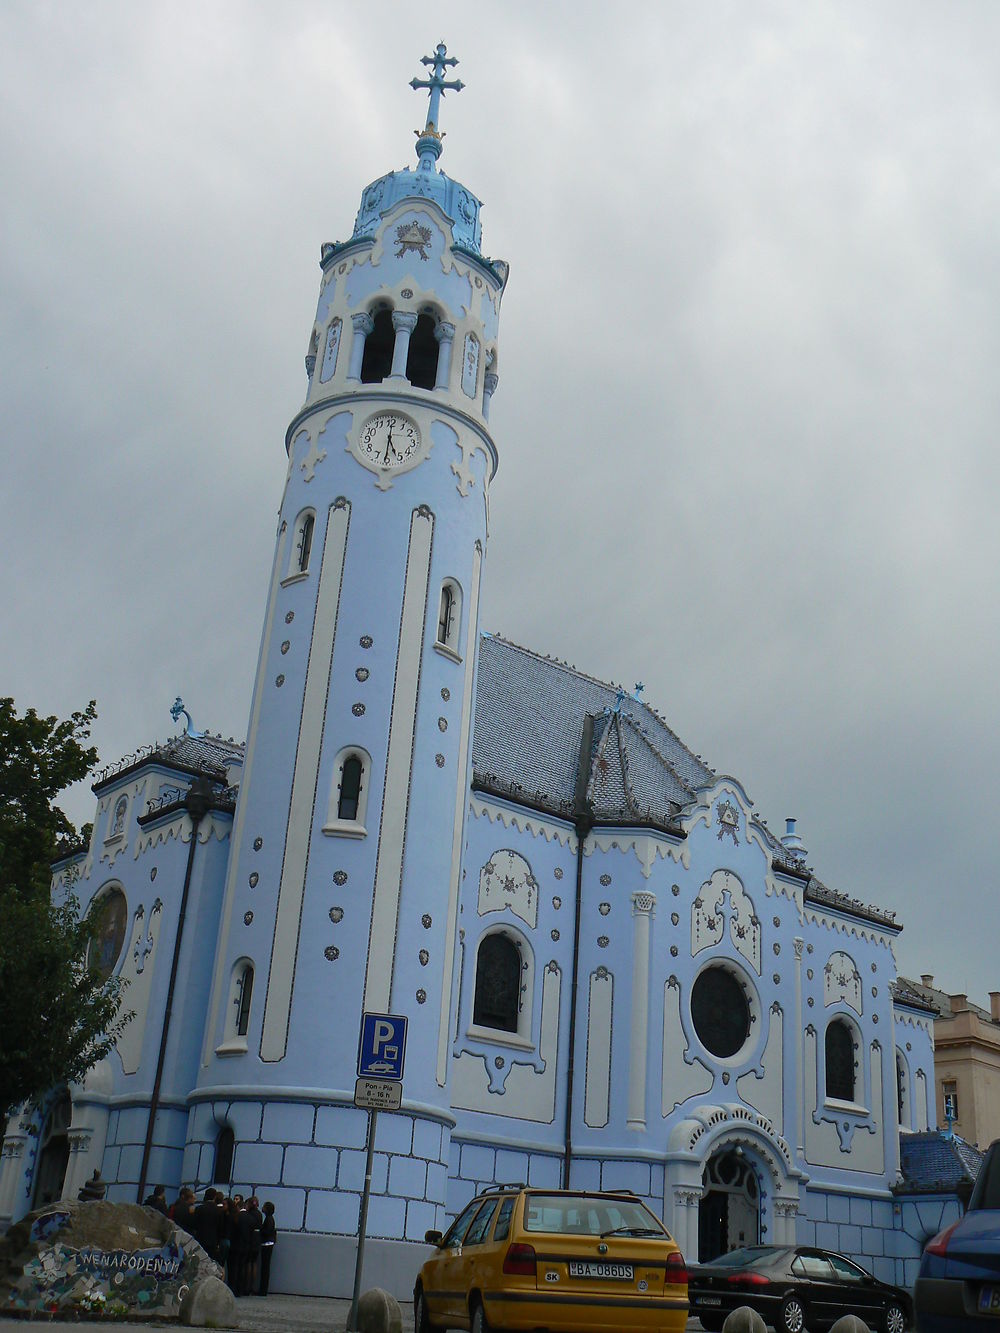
(506, 882)
(709, 915)
(643, 907)
(600, 1020)
(842, 982)
(682, 1076)
(532, 823)
(814, 916)
(647, 849)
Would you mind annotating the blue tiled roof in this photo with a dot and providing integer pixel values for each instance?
(933, 1163)
(529, 720)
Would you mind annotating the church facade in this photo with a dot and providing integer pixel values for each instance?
(615, 975)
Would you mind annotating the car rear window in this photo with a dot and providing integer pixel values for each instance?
(587, 1215)
(749, 1254)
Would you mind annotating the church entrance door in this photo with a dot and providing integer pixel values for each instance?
(729, 1212)
(53, 1154)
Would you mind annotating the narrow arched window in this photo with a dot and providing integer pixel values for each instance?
(840, 1073)
(498, 984)
(225, 1147)
(304, 549)
(422, 356)
(446, 616)
(244, 995)
(377, 359)
(350, 788)
(449, 616)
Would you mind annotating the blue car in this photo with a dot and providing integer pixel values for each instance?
(958, 1287)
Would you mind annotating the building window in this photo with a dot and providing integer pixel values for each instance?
(840, 1061)
(225, 1147)
(244, 994)
(376, 362)
(349, 793)
(118, 818)
(902, 1091)
(303, 546)
(950, 1092)
(498, 984)
(422, 355)
(53, 1153)
(720, 1011)
(449, 617)
(109, 912)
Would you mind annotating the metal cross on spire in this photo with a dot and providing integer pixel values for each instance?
(436, 84)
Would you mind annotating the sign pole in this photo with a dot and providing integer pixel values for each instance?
(352, 1319)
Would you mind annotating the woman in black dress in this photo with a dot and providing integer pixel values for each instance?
(268, 1235)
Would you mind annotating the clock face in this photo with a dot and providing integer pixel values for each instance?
(388, 440)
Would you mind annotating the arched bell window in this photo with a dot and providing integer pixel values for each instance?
(422, 356)
(376, 362)
(244, 995)
(350, 788)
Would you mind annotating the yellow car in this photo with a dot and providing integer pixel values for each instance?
(520, 1258)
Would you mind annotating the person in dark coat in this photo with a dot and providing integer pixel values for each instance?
(268, 1235)
(206, 1225)
(253, 1253)
(183, 1210)
(239, 1247)
(157, 1200)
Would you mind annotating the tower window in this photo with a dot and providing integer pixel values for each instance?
(350, 788)
(498, 984)
(449, 616)
(949, 1090)
(349, 793)
(422, 357)
(305, 542)
(243, 996)
(377, 360)
(840, 1068)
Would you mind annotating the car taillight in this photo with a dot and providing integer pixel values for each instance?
(939, 1244)
(676, 1268)
(520, 1260)
(748, 1280)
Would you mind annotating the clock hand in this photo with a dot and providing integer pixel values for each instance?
(388, 446)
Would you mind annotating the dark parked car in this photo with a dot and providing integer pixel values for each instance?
(794, 1288)
(958, 1286)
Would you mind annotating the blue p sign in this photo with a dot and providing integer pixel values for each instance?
(382, 1046)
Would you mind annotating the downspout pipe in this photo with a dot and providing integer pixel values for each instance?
(196, 802)
(583, 823)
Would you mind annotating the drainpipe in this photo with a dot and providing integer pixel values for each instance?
(196, 802)
(584, 822)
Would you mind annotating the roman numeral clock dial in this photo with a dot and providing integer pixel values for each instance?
(388, 441)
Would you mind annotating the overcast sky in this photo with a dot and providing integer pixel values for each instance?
(747, 414)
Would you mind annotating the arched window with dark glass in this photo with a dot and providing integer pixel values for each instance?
(244, 995)
(305, 542)
(840, 1082)
(377, 359)
(225, 1146)
(350, 788)
(446, 616)
(498, 984)
(422, 356)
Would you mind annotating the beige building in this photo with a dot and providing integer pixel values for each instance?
(966, 1062)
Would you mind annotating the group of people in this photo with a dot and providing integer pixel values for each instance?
(235, 1232)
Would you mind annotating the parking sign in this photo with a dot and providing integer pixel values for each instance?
(382, 1046)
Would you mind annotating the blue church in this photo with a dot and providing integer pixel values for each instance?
(615, 974)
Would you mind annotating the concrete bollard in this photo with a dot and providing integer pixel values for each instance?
(744, 1320)
(850, 1323)
(378, 1312)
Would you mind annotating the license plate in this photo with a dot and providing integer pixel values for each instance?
(708, 1300)
(617, 1272)
(989, 1300)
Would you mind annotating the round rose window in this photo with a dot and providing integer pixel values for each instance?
(720, 1012)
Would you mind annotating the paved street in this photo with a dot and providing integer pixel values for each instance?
(272, 1314)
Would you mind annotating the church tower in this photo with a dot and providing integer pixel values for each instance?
(343, 884)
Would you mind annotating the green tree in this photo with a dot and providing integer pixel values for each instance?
(58, 1015)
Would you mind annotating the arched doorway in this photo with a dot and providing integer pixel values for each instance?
(729, 1212)
(53, 1153)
